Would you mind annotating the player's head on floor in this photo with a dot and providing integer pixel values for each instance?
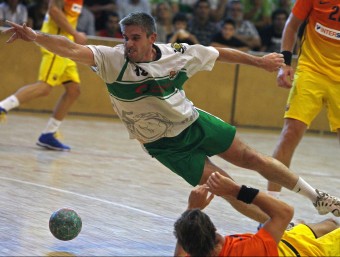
(195, 232)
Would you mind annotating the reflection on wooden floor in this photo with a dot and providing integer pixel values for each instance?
(127, 200)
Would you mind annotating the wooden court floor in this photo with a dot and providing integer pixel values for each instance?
(128, 202)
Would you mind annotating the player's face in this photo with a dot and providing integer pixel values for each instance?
(138, 46)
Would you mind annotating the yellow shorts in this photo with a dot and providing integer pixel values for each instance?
(310, 92)
(303, 240)
(56, 70)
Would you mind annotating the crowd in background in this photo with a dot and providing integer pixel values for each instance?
(255, 25)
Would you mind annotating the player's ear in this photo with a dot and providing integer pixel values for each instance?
(153, 37)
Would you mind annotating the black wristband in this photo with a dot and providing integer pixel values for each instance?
(247, 194)
(287, 56)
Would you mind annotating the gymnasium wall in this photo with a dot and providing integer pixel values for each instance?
(241, 95)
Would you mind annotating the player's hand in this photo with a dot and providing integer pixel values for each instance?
(272, 62)
(80, 38)
(20, 32)
(222, 186)
(199, 198)
(285, 77)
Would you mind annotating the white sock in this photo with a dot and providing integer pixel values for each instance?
(52, 126)
(274, 194)
(9, 103)
(302, 187)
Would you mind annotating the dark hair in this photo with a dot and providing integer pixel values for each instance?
(278, 12)
(180, 17)
(195, 232)
(197, 3)
(141, 19)
(229, 21)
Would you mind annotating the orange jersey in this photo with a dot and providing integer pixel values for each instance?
(260, 244)
(320, 50)
(72, 10)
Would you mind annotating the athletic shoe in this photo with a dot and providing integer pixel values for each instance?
(326, 203)
(49, 141)
(3, 114)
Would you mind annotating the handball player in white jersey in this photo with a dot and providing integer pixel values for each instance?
(145, 82)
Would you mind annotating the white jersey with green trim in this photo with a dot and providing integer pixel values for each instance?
(148, 96)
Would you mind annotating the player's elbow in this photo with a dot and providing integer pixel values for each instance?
(287, 213)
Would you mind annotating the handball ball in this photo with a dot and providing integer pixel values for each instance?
(65, 224)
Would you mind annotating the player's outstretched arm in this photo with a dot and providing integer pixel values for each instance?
(279, 212)
(269, 62)
(59, 45)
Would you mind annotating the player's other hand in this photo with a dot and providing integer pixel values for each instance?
(285, 77)
(222, 186)
(20, 32)
(199, 198)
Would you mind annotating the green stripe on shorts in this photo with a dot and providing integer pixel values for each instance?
(185, 153)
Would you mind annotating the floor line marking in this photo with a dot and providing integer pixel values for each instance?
(86, 196)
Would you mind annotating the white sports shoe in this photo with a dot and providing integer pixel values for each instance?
(326, 203)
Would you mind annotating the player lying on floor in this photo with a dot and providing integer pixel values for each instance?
(196, 234)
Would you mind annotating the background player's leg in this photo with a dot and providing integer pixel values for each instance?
(291, 135)
(48, 137)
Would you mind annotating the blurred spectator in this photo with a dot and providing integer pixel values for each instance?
(36, 14)
(99, 9)
(258, 12)
(217, 8)
(271, 35)
(86, 22)
(218, 11)
(124, 7)
(226, 37)
(201, 25)
(245, 30)
(181, 34)
(13, 10)
(163, 22)
(112, 28)
(283, 4)
(174, 4)
(187, 7)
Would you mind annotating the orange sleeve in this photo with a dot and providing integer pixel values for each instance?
(302, 8)
(262, 243)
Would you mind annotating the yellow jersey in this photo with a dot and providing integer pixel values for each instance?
(320, 49)
(72, 10)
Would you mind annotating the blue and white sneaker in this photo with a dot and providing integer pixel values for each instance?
(3, 114)
(49, 141)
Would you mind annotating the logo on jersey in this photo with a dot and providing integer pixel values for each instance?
(178, 48)
(173, 74)
(327, 32)
(76, 8)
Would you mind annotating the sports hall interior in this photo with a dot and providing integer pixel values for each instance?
(128, 202)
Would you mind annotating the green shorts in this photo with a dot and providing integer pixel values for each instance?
(185, 153)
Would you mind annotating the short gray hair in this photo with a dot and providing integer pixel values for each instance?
(141, 19)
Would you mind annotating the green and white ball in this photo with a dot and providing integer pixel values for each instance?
(65, 224)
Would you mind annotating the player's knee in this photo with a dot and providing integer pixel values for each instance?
(333, 223)
(73, 91)
(45, 90)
